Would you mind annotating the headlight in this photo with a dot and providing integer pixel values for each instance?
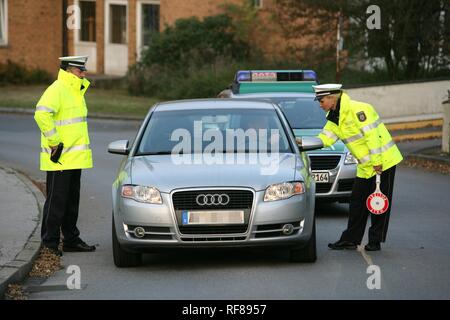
(142, 194)
(350, 159)
(282, 191)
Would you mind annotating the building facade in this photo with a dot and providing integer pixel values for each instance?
(112, 32)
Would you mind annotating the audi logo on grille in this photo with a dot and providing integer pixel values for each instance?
(212, 199)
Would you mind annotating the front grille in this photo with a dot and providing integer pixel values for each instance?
(323, 187)
(212, 239)
(186, 200)
(324, 162)
(345, 184)
(239, 200)
(213, 229)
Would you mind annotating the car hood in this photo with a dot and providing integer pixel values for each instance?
(339, 146)
(166, 175)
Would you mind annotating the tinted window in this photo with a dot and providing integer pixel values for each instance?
(207, 126)
(302, 113)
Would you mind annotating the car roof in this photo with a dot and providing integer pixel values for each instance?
(198, 104)
(268, 95)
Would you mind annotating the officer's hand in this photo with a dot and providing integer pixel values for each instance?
(298, 141)
(378, 169)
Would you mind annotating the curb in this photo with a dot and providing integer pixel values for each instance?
(428, 157)
(91, 115)
(414, 124)
(18, 269)
(418, 136)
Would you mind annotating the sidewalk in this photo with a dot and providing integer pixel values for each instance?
(20, 215)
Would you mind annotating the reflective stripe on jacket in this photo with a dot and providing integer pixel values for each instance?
(61, 115)
(367, 138)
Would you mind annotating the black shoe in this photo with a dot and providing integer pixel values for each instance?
(54, 251)
(340, 245)
(374, 246)
(78, 247)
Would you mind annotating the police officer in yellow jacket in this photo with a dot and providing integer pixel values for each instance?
(61, 116)
(358, 125)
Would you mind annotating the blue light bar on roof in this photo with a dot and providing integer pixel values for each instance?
(275, 76)
(243, 76)
(309, 75)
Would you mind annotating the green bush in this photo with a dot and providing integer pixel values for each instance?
(191, 59)
(194, 42)
(191, 82)
(13, 73)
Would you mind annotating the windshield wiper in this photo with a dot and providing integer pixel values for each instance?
(154, 153)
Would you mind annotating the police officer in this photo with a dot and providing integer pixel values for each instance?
(358, 125)
(61, 116)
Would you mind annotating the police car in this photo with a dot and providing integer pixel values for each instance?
(333, 168)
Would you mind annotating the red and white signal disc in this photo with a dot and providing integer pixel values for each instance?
(377, 203)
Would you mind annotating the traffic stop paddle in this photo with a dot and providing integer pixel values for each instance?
(377, 203)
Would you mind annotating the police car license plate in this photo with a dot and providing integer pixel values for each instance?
(321, 177)
(190, 217)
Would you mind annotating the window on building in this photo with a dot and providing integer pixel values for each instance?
(87, 32)
(118, 24)
(258, 3)
(150, 22)
(3, 22)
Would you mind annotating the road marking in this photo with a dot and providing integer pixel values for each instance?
(365, 255)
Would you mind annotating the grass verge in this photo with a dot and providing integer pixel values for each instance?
(99, 101)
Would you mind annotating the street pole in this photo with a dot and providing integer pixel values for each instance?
(338, 44)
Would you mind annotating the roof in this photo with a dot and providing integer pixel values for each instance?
(198, 104)
(269, 95)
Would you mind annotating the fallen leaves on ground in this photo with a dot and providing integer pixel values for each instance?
(15, 292)
(46, 264)
(427, 164)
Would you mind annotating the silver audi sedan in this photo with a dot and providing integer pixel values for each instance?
(213, 173)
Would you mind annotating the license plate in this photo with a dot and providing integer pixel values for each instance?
(321, 177)
(212, 217)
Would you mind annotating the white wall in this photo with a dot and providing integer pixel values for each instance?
(402, 100)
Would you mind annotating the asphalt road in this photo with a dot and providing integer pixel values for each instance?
(413, 262)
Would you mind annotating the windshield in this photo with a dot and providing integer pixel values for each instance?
(302, 113)
(215, 131)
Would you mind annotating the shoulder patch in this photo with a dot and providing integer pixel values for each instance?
(361, 116)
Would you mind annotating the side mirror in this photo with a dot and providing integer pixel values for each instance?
(119, 147)
(309, 143)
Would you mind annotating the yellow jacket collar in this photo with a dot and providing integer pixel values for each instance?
(73, 81)
(345, 102)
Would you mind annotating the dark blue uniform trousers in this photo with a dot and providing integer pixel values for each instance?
(61, 208)
(357, 221)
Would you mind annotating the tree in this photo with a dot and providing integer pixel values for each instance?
(413, 40)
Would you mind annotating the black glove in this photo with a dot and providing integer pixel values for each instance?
(57, 153)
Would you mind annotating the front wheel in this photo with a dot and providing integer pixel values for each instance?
(122, 258)
(305, 253)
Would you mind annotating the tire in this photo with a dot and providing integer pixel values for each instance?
(305, 253)
(122, 258)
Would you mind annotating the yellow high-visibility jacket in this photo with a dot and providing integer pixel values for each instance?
(367, 138)
(61, 115)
